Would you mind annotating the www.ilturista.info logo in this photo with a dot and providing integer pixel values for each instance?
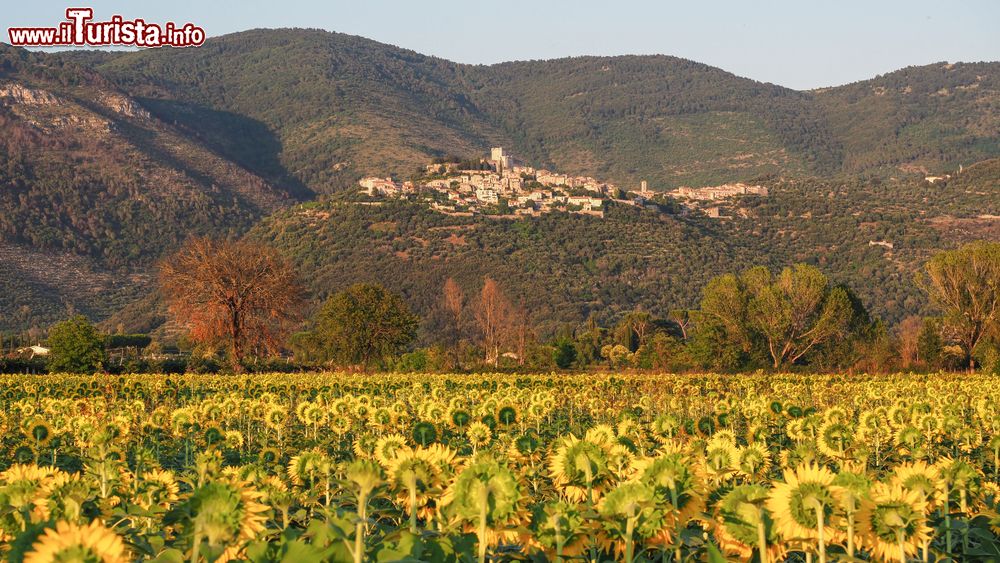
(78, 30)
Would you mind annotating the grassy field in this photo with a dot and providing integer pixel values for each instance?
(340, 467)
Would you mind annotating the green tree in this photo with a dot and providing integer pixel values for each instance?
(363, 325)
(788, 315)
(75, 346)
(564, 354)
(930, 346)
(965, 285)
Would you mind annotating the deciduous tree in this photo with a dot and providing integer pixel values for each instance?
(493, 315)
(363, 325)
(235, 294)
(965, 285)
(75, 346)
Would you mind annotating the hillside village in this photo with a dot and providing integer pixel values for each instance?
(501, 185)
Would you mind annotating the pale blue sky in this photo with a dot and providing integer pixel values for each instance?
(795, 43)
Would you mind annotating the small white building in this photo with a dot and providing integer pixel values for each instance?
(32, 351)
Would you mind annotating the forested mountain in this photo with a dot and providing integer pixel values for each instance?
(92, 187)
(328, 107)
(109, 159)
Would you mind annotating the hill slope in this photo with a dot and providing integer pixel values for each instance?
(92, 186)
(109, 159)
(363, 107)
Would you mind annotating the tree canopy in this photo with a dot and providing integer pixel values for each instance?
(75, 346)
(363, 325)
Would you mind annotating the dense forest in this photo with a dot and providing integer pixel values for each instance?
(110, 160)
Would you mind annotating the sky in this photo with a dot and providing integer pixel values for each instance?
(799, 44)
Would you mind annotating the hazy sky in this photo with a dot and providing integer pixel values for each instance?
(795, 43)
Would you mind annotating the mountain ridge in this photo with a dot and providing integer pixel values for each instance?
(245, 127)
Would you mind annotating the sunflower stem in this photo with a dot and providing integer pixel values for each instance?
(194, 545)
(629, 541)
(850, 534)
(947, 519)
(413, 508)
(761, 536)
(677, 525)
(820, 540)
(359, 533)
(484, 505)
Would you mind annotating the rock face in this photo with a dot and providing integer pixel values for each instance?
(125, 106)
(24, 95)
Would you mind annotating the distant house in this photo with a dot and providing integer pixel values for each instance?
(32, 351)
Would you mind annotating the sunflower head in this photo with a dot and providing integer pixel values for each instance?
(307, 468)
(740, 514)
(795, 504)
(920, 477)
(387, 447)
(479, 435)
(578, 465)
(558, 524)
(893, 518)
(364, 476)
(632, 500)
(754, 461)
(225, 513)
(72, 542)
(487, 488)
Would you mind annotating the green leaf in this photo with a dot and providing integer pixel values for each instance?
(169, 556)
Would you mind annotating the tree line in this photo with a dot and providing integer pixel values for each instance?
(241, 306)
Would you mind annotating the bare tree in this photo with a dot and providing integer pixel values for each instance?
(453, 304)
(493, 312)
(908, 333)
(520, 333)
(236, 294)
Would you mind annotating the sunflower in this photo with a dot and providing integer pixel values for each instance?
(275, 417)
(24, 487)
(721, 460)
(307, 468)
(754, 461)
(665, 426)
(424, 433)
(892, 522)
(479, 435)
(269, 456)
(675, 484)
(601, 434)
(580, 467)
(387, 447)
(459, 417)
(804, 506)
(835, 438)
(414, 474)
(742, 524)
(960, 479)
(920, 477)
(507, 415)
(38, 431)
(71, 542)
(486, 495)
(525, 448)
(853, 489)
(227, 514)
(559, 528)
(157, 488)
(628, 510)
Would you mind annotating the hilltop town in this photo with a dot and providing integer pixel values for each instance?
(501, 185)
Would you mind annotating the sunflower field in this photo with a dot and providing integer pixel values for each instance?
(342, 467)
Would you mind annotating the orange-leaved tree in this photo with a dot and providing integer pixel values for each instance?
(238, 295)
